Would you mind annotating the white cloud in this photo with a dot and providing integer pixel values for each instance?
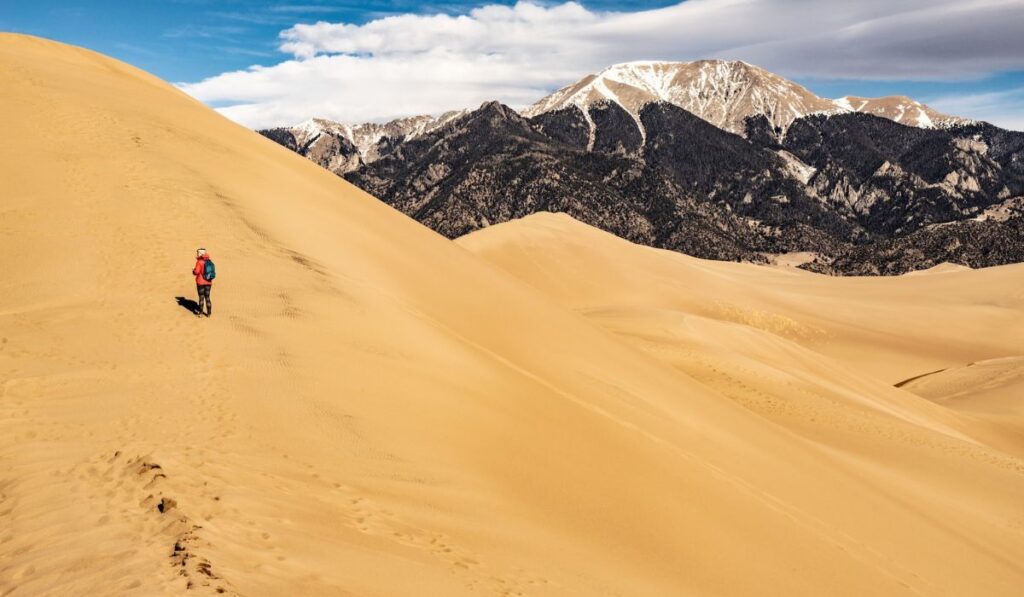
(521, 29)
(412, 64)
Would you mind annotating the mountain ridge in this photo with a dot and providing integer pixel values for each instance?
(341, 147)
(830, 185)
(724, 92)
(833, 183)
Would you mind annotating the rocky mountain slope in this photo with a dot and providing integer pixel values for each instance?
(926, 195)
(992, 238)
(495, 165)
(342, 148)
(832, 185)
(863, 193)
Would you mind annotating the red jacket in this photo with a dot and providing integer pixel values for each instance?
(198, 270)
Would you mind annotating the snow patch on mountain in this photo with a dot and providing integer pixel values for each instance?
(726, 93)
(366, 137)
(722, 92)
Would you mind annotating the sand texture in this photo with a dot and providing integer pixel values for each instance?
(537, 409)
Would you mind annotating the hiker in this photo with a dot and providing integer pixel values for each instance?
(205, 273)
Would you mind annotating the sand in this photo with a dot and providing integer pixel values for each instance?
(537, 409)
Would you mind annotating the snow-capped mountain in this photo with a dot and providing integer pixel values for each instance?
(711, 158)
(367, 136)
(341, 147)
(721, 92)
(901, 109)
(724, 93)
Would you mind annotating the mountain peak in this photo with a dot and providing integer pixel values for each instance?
(496, 108)
(725, 93)
(308, 130)
(370, 139)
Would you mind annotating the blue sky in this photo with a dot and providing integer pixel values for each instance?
(189, 40)
(374, 59)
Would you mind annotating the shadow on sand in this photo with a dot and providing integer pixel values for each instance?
(186, 303)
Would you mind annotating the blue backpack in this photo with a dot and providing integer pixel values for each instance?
(209, 271)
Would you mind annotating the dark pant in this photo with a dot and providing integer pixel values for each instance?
(204, 298)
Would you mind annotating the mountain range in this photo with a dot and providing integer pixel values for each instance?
(717, 159)
(725, 93)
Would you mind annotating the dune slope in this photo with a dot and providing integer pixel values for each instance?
(720, 321)
(813, 354)
(891, 330)
(990, 393)
(374, 410)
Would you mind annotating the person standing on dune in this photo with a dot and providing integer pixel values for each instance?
(204, 272)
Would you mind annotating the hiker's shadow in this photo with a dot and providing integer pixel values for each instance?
(186, 303)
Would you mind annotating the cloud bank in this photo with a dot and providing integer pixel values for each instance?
(414, 64)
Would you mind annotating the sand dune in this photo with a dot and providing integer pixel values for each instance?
(891, 329)
(815, 355)
(781, 342)
(988, 393)
(995, 386)
(375, 410)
